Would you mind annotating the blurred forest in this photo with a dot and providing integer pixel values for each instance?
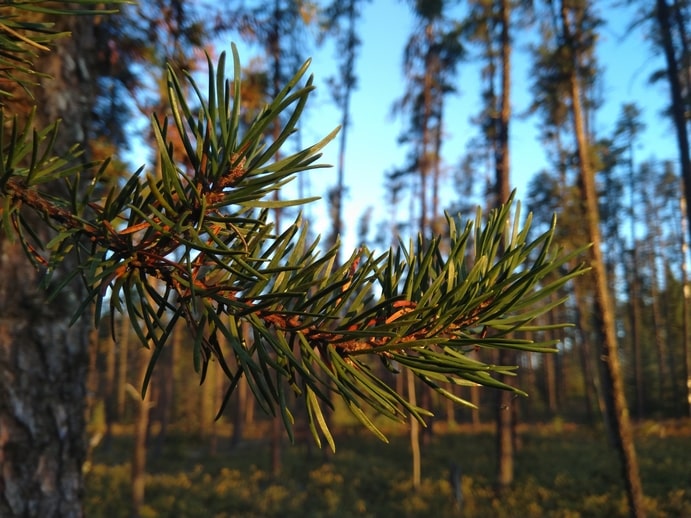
(643, 215)
(643, 228)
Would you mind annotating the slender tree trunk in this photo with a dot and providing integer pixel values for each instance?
(604, 307)
(450, 408)
(165, 379)
(425, 155)
(212, 380)
(206, 405)
(504, 414)
(634, 293)
(110, 408)
(590, 381)
(414, 434)
(274, 51)
(44, 361)
(475, 415)
(551, 383)
(276, 449)
(240, 408)
(348, 83)
(141, 427)
(685, 309)
(634, 321)
(123, 353)
(665, 373)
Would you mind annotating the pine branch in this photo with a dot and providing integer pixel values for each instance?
(198, 248)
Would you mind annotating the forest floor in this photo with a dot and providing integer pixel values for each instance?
(562, 470)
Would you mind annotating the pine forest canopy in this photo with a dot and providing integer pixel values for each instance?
(198, 247)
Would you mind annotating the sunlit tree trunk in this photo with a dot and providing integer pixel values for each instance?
(165, 383)
(686, 294)
(347, 45)
(44, 361)
(240, 409)
(414, 434)
(592, 390)
(123, 342)
(604, 306)
(110, 404)
(505, 413)
(678, 110)
(141, 427)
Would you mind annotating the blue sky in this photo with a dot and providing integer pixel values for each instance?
(624, 55)
(372, 141)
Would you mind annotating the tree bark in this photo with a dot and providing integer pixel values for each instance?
(44, 361)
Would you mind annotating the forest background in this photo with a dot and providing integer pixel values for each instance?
(628, 125)
(443, 154)
(427, 159)
(629, 61)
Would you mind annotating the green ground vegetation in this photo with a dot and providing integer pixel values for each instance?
(563, 471)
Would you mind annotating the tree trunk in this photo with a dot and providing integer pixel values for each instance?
(121, 377)
(165, 404)
(276, 451)
(141, 427)
(551, 384)
(590, 382)
(343, 98)
(414, 434)
(475, 415)
(685, 312)
(44, 361)
(634, 322)
(110, 408)
(504, 414)
(239, 410)
(666, 379)
(604, 308)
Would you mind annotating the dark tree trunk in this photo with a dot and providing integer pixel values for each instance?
(44, 361)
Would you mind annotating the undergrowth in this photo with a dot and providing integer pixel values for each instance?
(561, 473)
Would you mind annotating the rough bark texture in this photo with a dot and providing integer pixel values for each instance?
(43, 361)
